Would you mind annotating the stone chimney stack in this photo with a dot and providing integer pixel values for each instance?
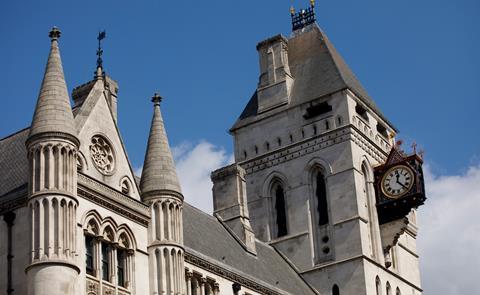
(275, 80)
(230, 203)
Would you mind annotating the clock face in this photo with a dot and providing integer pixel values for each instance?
(397, 181)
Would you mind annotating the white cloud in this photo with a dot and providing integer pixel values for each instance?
(194, 165)
(449, 237)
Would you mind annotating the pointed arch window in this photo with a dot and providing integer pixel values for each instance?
(321, 196)
(335, 290)
(378, 286)
(279, 206)
(389, 289)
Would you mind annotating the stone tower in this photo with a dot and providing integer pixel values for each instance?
(160, 189)
(52, 147)
(308, 139)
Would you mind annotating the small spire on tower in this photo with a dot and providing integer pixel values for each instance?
(159, 176)
(53, 112)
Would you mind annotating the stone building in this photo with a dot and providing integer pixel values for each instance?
(295, 214)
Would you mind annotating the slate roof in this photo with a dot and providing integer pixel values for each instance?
(205, 235)
(318, 70)
(13, 161)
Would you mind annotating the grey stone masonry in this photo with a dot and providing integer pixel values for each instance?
(159, 176)
(53, 113)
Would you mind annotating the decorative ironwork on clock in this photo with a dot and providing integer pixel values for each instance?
(102, 155)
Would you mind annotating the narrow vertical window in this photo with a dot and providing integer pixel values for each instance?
(121, 257)
(335, 290)
(89, 255)
(105, 262)
(280, 210)
(321, 193)
(398, 292)
(327, 125)
(378, 286)
(389, 289)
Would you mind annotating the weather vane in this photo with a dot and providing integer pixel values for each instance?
(101, 36)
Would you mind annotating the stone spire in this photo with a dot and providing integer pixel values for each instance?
(159, 176)
(53, 113)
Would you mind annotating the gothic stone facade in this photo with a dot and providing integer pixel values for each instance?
(295, 214)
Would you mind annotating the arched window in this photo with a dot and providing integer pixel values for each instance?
(398, 292)
(378, 286)
(389, 289)
(280, 210)
(321, 195)
(335, 290)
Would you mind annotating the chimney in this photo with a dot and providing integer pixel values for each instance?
(275, 82)
(230, 203)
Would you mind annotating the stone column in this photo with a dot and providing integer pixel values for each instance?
(203, 281)
(189, 275)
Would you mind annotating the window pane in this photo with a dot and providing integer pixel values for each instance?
(89, 254)
(105, 262)
(121, 267)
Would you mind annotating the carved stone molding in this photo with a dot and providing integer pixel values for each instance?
(113, 200)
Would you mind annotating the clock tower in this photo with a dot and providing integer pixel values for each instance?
(309, 140)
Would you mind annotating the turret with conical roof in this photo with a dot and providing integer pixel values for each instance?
(160, 189)
(52, 148)
(159, 176)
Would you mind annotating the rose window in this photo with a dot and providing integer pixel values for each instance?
(102, 155)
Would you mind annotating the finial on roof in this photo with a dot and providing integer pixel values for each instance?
(292, 10)
(54, 33)
(99, 72)
(156, 99)
(312, 3)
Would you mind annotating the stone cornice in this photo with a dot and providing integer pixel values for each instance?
(314, 144)
(228, 274)
(105, 196)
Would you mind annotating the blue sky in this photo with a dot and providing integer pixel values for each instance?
(418, 60)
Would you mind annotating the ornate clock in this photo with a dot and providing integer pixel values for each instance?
(399, 185)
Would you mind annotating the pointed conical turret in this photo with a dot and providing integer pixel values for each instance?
(159, 176)
(53, 113)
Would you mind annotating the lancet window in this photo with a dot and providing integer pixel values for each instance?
(279, 209)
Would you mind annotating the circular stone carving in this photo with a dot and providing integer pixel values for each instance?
(102, 155)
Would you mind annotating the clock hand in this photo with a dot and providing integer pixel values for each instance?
(401, 184)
